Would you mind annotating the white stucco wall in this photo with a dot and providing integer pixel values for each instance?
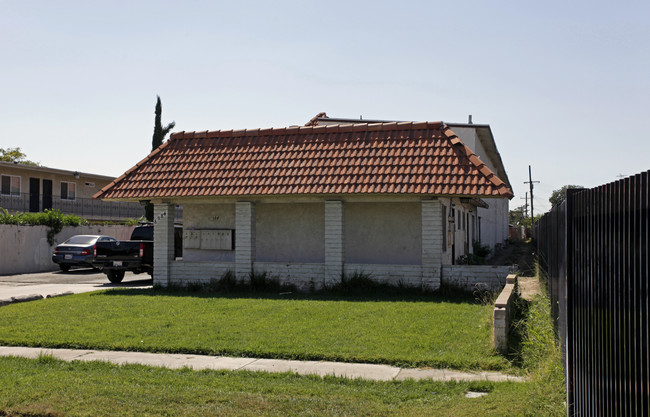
(290, 232)
(494, 222)
(468, 136)
(383, 233)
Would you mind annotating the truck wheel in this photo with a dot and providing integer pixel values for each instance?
(115, 276)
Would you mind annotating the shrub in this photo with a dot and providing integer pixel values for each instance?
(53, 219)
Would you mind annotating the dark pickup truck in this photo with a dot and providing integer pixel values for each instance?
(135, 255)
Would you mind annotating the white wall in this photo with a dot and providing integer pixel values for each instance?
(25, 249)
(383, 233)
(494, 222)
(208, 216)
(290, 232)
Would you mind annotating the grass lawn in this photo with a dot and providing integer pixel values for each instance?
(416, 331)
(48, 387)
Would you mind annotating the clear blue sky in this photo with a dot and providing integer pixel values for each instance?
(565, 86)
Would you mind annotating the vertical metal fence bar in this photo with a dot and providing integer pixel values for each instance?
(599, 241)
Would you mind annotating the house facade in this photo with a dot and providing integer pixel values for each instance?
(307, 204)
(29, 188)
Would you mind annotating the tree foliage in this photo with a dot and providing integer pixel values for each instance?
(15, 155)
(516, 216)
(559, 195)
(159, 132)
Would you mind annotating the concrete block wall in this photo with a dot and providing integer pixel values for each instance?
(410, 275)
(502, 313)
(472, 277)
(432, 229)
(25, 249)
(184, 272)
(163, 238)
(334, 241)
(244, 238)
(302, 275)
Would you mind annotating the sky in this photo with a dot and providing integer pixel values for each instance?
(564, 85)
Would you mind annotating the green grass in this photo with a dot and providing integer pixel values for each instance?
(48, 387)
(541, 356)
(415, 332)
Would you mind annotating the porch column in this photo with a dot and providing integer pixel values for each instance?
(334, 241)
(163, 246)
(244, 238)
(432, 230)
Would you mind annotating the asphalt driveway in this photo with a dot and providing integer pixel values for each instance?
(76, 281)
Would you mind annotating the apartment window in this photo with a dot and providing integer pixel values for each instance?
(10, 185)
(68, 190)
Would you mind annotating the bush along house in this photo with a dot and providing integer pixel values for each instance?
(400, 201)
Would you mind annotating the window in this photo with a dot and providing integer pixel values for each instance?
(68, 190)
(10, 185)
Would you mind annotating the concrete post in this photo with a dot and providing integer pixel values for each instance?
(334, 241)
(244, 238)
(163, 246)
(432, 230)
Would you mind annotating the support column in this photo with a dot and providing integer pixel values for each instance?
(432, 230)
(334, 241)
(244, 238)
(163, 243)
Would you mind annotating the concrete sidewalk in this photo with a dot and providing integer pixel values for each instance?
(198, 362)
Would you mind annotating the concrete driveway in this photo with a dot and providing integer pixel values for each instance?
(76, 281)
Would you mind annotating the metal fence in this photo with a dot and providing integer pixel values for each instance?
(85, 207)
(595, 246)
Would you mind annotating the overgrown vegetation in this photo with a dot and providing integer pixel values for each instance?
(53, 219)
(542, 358)
(478, 257)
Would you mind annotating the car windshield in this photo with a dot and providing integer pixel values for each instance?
(81, 240)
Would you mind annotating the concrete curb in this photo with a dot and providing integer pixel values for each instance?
(31, 297)
(321, 368)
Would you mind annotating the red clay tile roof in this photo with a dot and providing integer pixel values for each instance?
(424, 158)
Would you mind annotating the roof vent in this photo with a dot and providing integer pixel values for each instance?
(469, 121)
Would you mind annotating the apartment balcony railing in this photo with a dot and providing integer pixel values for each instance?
(84, 207)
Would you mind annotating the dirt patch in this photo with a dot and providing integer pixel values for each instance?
(518, 253)
(528, 287)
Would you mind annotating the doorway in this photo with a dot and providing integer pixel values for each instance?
(34, 195)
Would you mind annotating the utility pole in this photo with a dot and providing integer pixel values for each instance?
(526, 207)
(530, 181)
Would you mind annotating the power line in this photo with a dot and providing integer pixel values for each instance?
(526, 206)
(530, 181)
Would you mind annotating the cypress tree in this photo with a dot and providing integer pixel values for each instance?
(159, 132)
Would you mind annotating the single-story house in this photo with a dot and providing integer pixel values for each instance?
(32, 188)
(397, 200)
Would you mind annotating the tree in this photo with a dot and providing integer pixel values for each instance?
(159, 132)
(15, 155)
(559, 195)
(516, 216)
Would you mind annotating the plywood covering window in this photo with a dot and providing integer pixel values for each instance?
(68, 190)
(10, 185)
